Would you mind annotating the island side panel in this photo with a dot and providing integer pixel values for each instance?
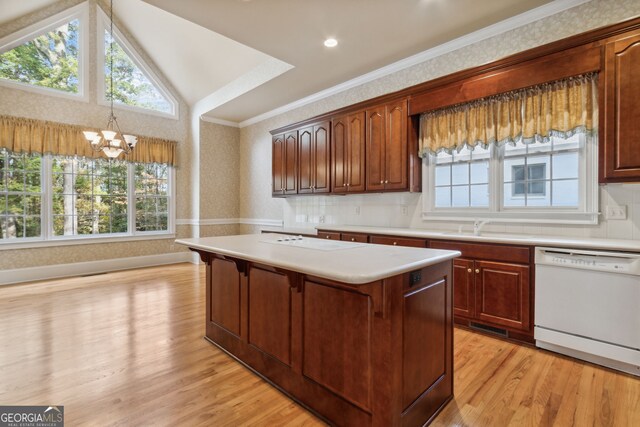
(427, 344)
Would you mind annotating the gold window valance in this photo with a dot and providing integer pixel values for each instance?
(534, 114)
(22, 135)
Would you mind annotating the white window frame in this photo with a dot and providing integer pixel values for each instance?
(102, 26)
(79, 12)
(585, 213)
(48, 239)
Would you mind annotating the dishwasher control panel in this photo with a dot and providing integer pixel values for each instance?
(617, 262)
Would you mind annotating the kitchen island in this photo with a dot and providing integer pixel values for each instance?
(359, 334)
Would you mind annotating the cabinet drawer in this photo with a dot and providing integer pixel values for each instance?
(398, 241)
(355, 237)
(330, 235)
(504, 253)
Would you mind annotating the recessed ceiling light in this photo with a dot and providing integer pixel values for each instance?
(331, 42)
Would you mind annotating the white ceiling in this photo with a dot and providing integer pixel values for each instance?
(230, 58)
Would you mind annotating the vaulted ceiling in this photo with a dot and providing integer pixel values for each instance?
(248, 57)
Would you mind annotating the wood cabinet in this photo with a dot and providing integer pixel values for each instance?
(398, 241)
(329, 235)
(354, 237)
(284, 166)
(375, 354)
(387, 149)
(620, 150)
(314, 156)
(348, 153)
(492, 285)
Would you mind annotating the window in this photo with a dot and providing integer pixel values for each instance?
(152, 197)
(135, 85)
(47, 56)
(89, 196)
(20, 195)
(57, 197)
(547, 182)
(462, 178)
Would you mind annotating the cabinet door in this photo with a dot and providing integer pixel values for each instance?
(290, 171)
(463, 287)
(305, 160)
(356, 152)
(376, 141)
(396, 154)
(502, 294)
(339, 154)
(277, 165)
(321, 158)
(620, 152)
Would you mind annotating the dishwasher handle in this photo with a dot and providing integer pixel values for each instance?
(611, 262)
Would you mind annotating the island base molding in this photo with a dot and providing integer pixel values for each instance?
(375, 354)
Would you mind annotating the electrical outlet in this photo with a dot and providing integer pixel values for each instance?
(616, 212)
(357, 210)
(405, 210)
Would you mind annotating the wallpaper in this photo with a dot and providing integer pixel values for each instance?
(219, 171)
(255, 140)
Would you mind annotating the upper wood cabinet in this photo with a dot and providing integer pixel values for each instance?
(284, 163)
(387, 149)
(314, 156)
(620, 150)
(348, 153)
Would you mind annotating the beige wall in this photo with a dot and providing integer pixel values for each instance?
(21, 103)
(255, 140)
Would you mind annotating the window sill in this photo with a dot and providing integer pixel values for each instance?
(514, 217)
(71, 241)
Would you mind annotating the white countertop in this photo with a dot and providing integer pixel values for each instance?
(521, 239)
(347, 262)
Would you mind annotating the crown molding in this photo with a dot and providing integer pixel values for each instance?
(219, 121)
(509, 24)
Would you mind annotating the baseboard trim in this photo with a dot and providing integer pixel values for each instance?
(46, 272)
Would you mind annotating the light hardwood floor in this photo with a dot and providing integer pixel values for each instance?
(126, 348)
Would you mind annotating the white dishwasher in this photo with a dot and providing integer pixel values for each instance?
(587, 305)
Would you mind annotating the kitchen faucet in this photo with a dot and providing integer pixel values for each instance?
(477, 226)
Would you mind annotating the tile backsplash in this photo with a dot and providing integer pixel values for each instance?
(404, 210)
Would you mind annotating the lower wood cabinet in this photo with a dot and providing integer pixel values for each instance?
(329, 235)
(398, 241)
(488, 292)
(355, 237)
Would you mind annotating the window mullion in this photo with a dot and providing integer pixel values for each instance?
(131, 199)
(46, 181)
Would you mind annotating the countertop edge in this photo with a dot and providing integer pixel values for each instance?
(322, 273)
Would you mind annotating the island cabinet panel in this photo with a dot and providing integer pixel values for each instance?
(348, 153)
(270, 313)
(224, 302)
(620, 152)
(337, 341)
(425, 313)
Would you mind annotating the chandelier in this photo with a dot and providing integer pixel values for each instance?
(111, 141)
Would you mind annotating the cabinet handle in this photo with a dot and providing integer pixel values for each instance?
(328, 237)
(477, 270)
(395, 243)
(348, 185)
(469, 270)
(386, 182)
(381, 182)
(353, 239)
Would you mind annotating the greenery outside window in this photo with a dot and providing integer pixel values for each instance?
(48, 198)
(48, 56)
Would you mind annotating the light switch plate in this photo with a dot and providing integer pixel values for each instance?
(616, 212)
